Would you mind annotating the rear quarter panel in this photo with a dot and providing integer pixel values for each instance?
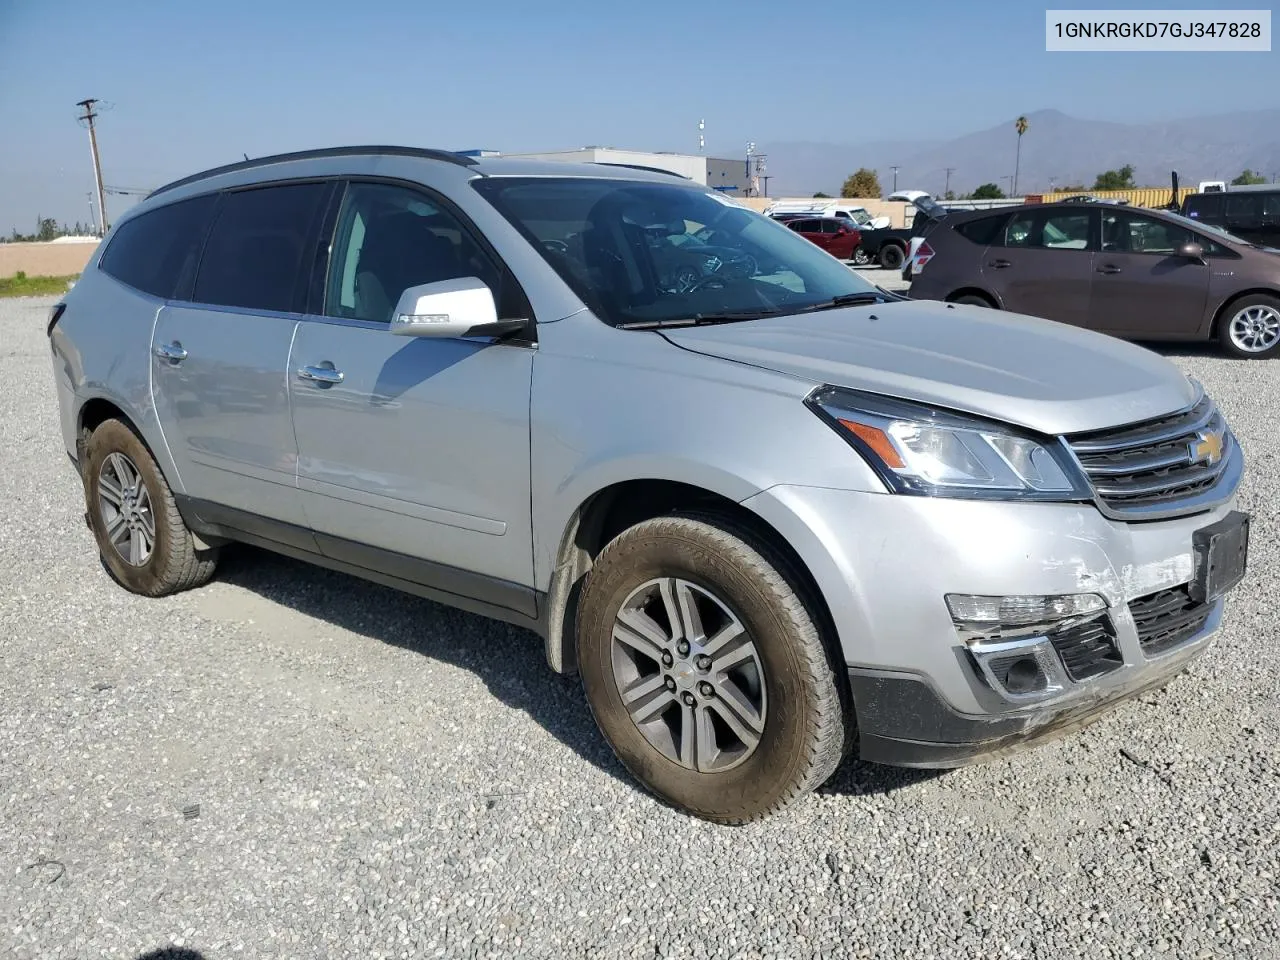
(102, 350)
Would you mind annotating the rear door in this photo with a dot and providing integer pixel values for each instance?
(219, 362)
(811, 230)
(1041, 263)
(1141, 287)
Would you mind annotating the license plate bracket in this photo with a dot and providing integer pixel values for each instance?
(1221, 556)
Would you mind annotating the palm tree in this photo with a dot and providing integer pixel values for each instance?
(1020, 125)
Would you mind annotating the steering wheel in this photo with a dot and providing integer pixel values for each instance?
(556, 246)
(712, 282)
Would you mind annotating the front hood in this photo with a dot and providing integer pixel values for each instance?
(1048, 377)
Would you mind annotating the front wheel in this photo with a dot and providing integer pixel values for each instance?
(860, 258)
(1251, 327)
(891, 256)
(706, 671)
(143, 540)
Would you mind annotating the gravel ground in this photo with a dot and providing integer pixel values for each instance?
(293, 763)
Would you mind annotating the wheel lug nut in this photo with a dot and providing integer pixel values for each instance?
(703, 662)
(688, 700)
(670, 683)
(682, 648)
(706, 689)
(667, 659)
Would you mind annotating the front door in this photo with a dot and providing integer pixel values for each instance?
(1042, 264)
(218, 363)
(413, 452)
(1142, 288)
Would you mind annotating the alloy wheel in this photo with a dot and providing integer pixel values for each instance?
(125, 506)
(689, 675)
(1255, 329)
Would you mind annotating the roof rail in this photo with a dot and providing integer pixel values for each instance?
(637, 166)
(421, 152)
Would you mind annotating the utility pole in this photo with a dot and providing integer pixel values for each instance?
(89, 117)
(947, 189)
(895, 179)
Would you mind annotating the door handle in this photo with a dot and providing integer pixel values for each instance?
(323, 374)
(173, 352)
(1109, 268)
(1000, 264)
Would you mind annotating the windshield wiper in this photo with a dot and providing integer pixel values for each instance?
(699, 319)
(849, 300)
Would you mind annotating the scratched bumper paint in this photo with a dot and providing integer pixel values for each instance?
(884, 564)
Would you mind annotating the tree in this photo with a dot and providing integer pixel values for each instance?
(821, 196)
(1248, 177)
(949, 195)
(1121, 179)
(1020, 125)
(988, 191)
(864, 183)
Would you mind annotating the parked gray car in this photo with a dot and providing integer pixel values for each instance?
(773, 515)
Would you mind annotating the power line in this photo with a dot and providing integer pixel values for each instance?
(89, 116)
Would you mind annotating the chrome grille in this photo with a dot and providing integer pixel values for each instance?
(1150, 464)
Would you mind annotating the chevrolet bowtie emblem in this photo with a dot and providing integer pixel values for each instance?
(1207, 447)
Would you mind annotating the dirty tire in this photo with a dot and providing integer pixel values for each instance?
(891, 256)
(175, 563)
(804, 726)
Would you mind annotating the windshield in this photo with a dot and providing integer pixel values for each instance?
(653, 253)
(1211, 230)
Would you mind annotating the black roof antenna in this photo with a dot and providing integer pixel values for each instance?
(246, 156)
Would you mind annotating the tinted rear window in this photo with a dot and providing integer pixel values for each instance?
(982, 231)
(156, 252)
(254, 256)
(1204, 205)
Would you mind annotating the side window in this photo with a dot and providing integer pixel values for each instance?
(982, 231)
(1244, 207)
(1020, 231)
(832, 225)
(1066, 231)
(1271, 206)
(156, 252)
(1146, 235)
(389, 238)
(254, 257)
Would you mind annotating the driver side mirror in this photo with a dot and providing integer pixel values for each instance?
(1192, 251)
(450, 308)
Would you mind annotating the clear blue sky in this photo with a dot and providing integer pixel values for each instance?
(192, 85)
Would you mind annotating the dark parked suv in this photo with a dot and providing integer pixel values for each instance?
(1251, 213)
(1137, 274)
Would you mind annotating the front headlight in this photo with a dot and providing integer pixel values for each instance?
(922, 450)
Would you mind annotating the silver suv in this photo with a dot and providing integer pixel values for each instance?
(771, 513)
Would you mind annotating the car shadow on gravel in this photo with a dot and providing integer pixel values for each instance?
(172, 953)
(1183, 348)
(508, 659)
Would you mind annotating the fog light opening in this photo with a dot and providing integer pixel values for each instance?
(1025, 676)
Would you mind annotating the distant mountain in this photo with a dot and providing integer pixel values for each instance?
(1068, 149)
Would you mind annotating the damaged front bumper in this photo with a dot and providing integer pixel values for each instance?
(922, 694)
(902, 720)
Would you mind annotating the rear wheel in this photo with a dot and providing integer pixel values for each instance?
(1251, 327)
(891, 256)
(142, 538)
(706, 671)
(974, 300)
